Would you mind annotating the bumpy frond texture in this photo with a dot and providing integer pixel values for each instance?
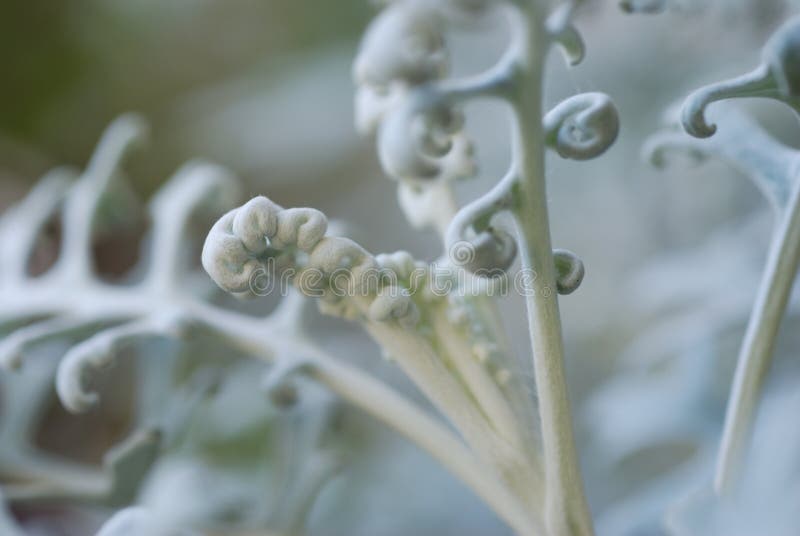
(257, 246)
(92, 322)
(438, 321)
(234, 417)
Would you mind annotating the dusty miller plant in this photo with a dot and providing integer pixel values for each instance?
(437, 320)
(440, 326)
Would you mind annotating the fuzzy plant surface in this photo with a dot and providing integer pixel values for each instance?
(508, 437)
(438, 320)
(69, 302)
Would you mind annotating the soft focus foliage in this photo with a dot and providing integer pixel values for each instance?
(673, 259)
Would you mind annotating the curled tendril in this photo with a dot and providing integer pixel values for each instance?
(332, 268)
(242, 240)
(13, 347)
(757, 83)
(771, 165)
(582, 127)
(569, 271)
(563, 32)
(98, 352)
(473, 243)
(398, 70)
(489, 253)
(778, 77)
(422, 140)
(226, 258)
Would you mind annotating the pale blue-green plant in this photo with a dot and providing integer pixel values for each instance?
(438, 320)
(451, 343)
(773, 167)
(70, 302)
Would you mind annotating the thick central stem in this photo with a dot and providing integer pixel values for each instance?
(566, 510)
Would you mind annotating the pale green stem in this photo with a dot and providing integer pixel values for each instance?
(478, 379)
(523, 477)
(383, 403)
(420, 362)
(566, 509)
(759, 340)
(254, 336)
(489, 396)
(393, 409)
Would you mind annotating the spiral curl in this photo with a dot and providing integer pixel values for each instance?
(489, 253)
(473, 243)
(768, 163)
(582, 127)
(241, 241)
(402, 55)
(569, 271)
(99, 351)
(422, 140)
(778, 77)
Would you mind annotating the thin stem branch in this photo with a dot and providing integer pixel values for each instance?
(394, 410)
(258, 338)
(525, 479)
(383, 403)
(476, 378)
(759, 340)
(425, 368)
